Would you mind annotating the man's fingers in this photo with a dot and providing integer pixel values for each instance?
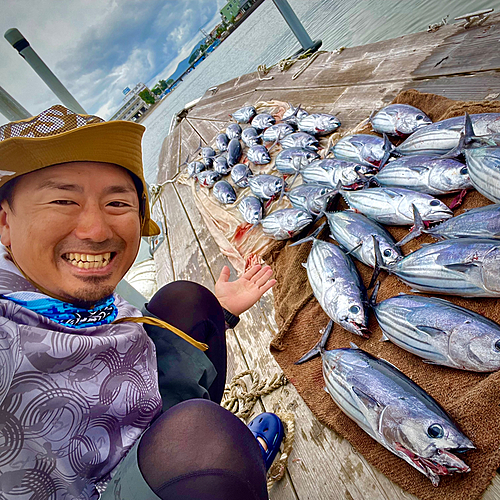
(267, 286)
(224, 275)
(252, 271)
(262, 278)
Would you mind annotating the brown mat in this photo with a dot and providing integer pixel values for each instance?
(471, 399)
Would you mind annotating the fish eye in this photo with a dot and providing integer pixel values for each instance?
(463, 171)
(354, 309)
(435, 431)
(357, 168)
(387, 252)
(497, 345)
(435, 203)
(419, 117)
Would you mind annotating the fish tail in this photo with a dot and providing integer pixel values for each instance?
(319, 347)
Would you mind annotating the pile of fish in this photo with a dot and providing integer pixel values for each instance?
(382, 185)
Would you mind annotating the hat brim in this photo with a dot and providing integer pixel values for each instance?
(117, 142)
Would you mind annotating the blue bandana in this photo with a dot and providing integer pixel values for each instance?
(103, 312)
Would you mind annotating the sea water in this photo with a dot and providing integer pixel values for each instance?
(264, 38)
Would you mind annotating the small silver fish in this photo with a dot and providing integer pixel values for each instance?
(319, 124)
(240, 174)
(233, 131)
(224, 192)
(300, 140)
(251, 209)
(208, 153)
(363, 148)
(221, 142)
(399, 119)
(294, 114)
(258, 154)
(250, 137)
(310, 197)
(285, 223)
(277, 132)
(263, 121)
(221, 166)
(233, 152)
(245, 114)
(331, 171)
(195, 167)
(293, 160)
(425, 174)
(208, 178)
(266, 186)
(440, 332)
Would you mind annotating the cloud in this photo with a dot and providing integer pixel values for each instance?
(96, 48)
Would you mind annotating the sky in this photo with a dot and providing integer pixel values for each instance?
(99, 47)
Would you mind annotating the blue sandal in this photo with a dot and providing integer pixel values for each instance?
(268, 426)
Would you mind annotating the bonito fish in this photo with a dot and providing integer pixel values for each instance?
(318, 124)
(233, 131)
(263, 121)
(484, 170)
(331, 171)
(300, 140)
(245, 114)
(393, 410)
(251, 209)
(250, 136)
(285, 223)
(440, 332)
(310, 197)
(266, 186)
(399, 119)
(240, 174)
(277, 132)
(363, 148)
(224, 192)
(293, 160)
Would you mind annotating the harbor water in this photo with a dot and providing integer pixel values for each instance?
(264, 38)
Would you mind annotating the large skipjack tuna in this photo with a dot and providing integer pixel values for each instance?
(363, 148)
(311, 197)
(285, 223)
(467, 267)
(443, 136)
(439, 331)
(224, 192)
(337, 286)
(245, 114)
(425, 174)
(393, 410)
(399, 119)
(251, 209)
(484, 170)
(319, 124)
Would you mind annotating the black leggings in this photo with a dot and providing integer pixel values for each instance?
(197, 450)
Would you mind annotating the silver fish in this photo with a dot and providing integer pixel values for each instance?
(300, 140)
(394, 411)
(441, 137)
(258, 154)
(399, 119)
(319, 124)
(425, 174)
(266, 186)
(263, 121)
(233, 152)
(208, 153)
(195, 167)
(240, 174)
(277, 132)
(251, 209)
(395, 205)
(294, 113)
(245, 114)
(484, 170)
(354, 233)
(331, 171)
(363, 148)
(467, 267)
(480, 222)
(337, 286)
(208, 162)
(250, 136)
(233, 131)
(224, 192)
(221, 142)
(310, 197)
(221, 166)
(293, 160)
(208, 178)
(285, 223)
(440, 332)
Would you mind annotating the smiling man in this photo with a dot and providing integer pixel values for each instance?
(82, 382)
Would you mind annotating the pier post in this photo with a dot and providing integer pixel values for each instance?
(296, 26)
(17, 40)
(10, 108)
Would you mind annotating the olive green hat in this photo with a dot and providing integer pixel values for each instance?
(58, 135)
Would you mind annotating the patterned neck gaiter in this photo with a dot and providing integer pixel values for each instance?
(64, 313)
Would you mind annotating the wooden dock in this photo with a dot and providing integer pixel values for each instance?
(454, 62)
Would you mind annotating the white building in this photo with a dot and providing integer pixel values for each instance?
(133, 106)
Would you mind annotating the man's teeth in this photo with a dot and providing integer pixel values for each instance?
(87, 261)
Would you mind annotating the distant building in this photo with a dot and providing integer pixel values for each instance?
(233, 8)
(133, 106)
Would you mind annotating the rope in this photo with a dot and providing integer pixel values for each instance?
(240, 400)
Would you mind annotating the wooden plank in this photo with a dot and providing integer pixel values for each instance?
(162, 256)
(169, 159)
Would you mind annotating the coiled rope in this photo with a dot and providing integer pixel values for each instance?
(240, 400)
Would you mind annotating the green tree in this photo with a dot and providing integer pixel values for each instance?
(147, 97)
(163, 84)
(156, 90)
(170, 81)
(194, 56)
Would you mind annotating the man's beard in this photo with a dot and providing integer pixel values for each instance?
(86, 297)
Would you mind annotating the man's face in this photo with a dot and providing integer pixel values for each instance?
(74, 228)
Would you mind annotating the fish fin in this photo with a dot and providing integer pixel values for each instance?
(373, 298)
(416, 230)
(368, 401)
(418, 168)
(312, 237)
(433, 332)
(353, 345)
(319, 347)
(384, 338)
(461, 267)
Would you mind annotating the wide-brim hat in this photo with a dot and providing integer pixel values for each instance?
(58, 135)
